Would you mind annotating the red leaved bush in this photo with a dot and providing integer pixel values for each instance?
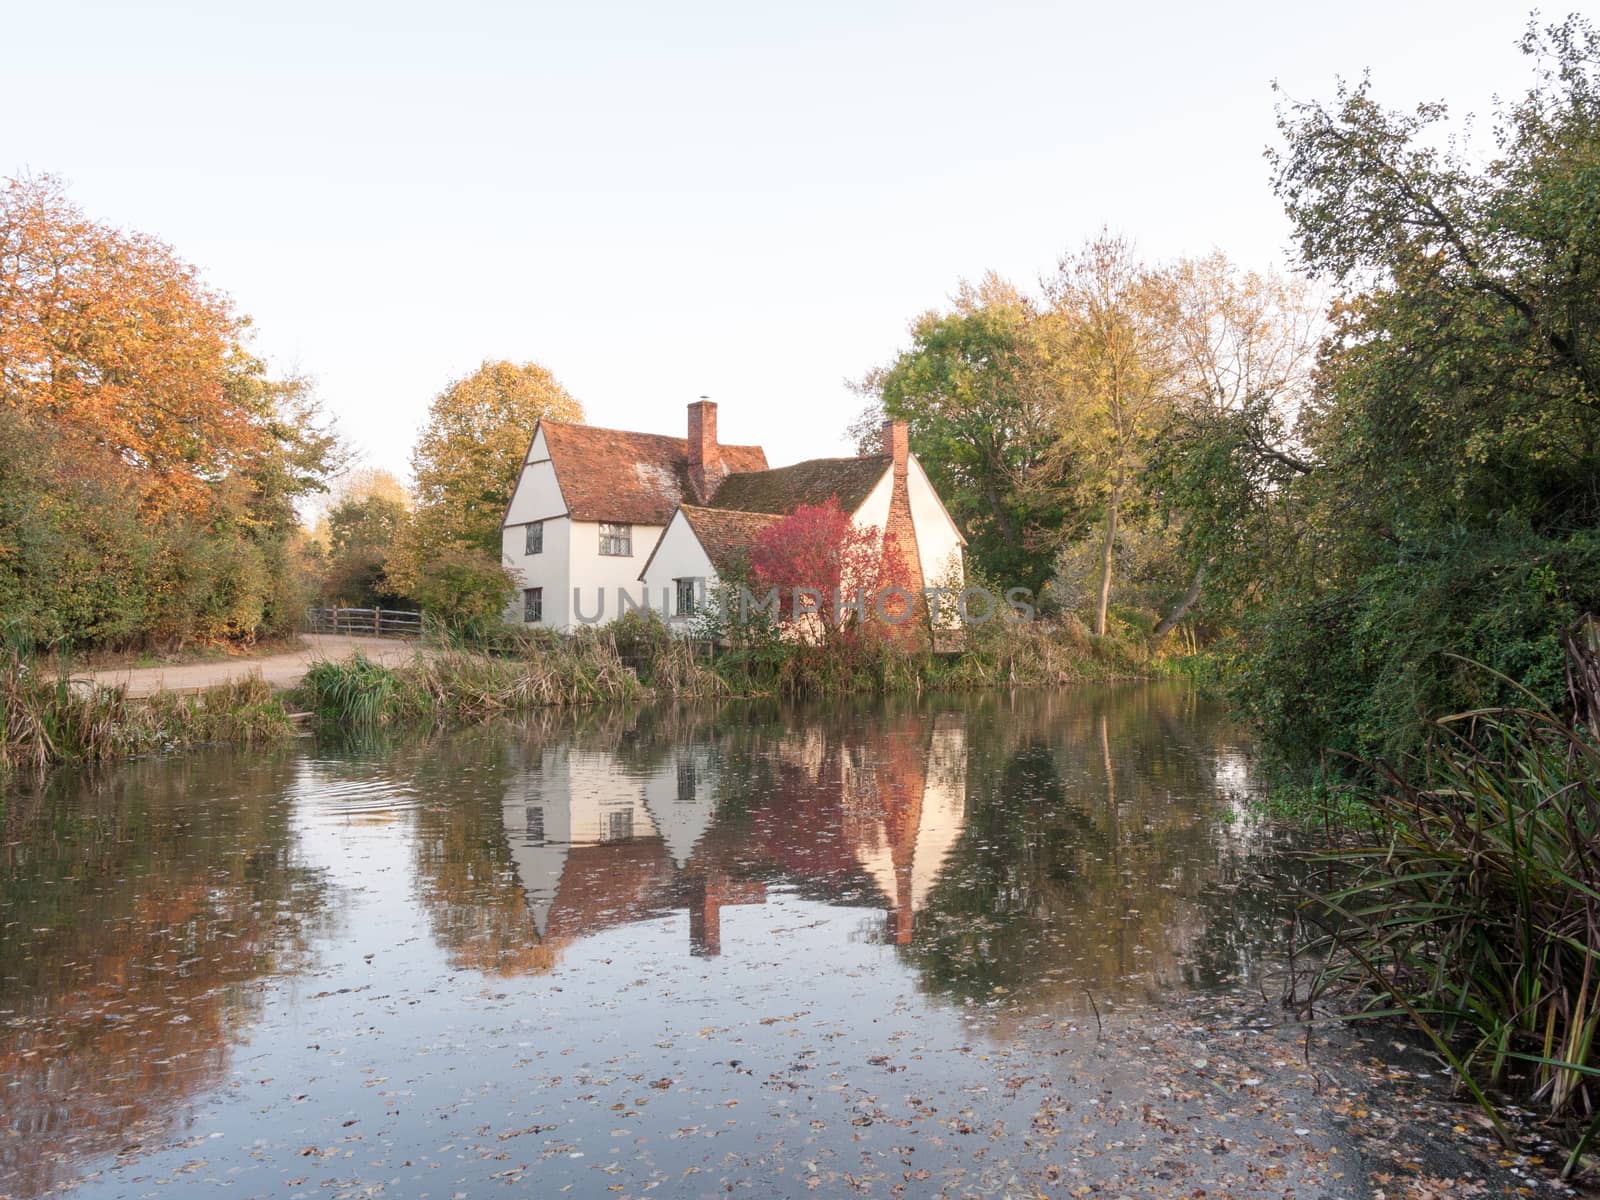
(818, 554)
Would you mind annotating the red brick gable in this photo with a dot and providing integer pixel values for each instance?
(638, 478)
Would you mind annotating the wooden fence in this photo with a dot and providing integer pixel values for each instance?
(373, 622)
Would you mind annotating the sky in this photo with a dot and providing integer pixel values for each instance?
(659, 202)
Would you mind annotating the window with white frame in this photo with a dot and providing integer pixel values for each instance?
(532, 605)
(616, 540)
(535, 542)
(687, 599)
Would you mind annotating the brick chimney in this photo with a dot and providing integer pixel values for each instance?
(705, 456)
(897, 445)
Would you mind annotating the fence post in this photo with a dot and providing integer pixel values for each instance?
(377, 622)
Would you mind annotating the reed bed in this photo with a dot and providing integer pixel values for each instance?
(1474, 904)
(468, 685)
(46, 718)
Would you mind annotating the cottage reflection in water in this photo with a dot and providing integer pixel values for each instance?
(596, 842)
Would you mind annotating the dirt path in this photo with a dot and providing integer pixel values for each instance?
(280, 670)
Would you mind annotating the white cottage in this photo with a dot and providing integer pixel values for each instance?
(593, 504)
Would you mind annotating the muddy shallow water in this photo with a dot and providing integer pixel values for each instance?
(1003, 945)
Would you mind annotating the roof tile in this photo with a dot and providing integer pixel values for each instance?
(815, 481)
(639, 478)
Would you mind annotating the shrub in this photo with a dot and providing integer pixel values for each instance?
(465, 590)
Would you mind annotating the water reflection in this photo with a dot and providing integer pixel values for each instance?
(137, 912)
(993, 857)
(1052, 846)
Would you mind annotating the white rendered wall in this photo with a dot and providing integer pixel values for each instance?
(537, 495)
(678, 555)
(874, 510)
(550, 570)
(938, 539)
(591, 571)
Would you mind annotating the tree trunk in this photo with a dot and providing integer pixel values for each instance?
(1008, 531)
(1106, 559)
(1180, 610)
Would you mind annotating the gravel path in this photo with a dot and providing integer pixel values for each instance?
(280, 670)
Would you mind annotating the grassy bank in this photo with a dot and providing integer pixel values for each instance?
(46, 718)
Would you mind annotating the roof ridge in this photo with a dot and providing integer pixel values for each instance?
(843, 458)
(735, 512)
(671, 437)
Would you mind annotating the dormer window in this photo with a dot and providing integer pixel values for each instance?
(616, 541)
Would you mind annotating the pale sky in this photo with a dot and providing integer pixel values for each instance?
(662, 201)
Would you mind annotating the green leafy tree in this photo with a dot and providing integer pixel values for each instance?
(977, 398)
(1455, 430)
(362, 530)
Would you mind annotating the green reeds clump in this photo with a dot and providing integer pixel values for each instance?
(357, 691)
(48, 718)
(466, 685)
(1474, 908)
(1005, 652)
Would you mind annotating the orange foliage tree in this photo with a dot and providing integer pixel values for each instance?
(112, 336)
(137, 406)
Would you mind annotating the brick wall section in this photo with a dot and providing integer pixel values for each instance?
(705, 457)
(900, 537)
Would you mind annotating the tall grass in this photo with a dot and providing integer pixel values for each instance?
(46, 718)
(455, 684)
(1474, 908)
(1043, 653)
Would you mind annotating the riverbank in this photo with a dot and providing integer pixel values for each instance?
(49, 716)
(283, 668)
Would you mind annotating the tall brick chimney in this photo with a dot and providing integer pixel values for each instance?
(897, 445)
(705, 456)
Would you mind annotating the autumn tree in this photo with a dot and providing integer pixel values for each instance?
(131, 403)
(1244, 346)
(112, 337)
(467, 460)
(1109, 333)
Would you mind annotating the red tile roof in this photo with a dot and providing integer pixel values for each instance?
(639, 478)
(726, 535)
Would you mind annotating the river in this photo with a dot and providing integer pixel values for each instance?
(988, 945)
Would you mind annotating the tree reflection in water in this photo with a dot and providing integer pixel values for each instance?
(139, 906)
(1045, 846)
